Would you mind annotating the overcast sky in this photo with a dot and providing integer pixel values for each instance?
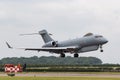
(65, 19)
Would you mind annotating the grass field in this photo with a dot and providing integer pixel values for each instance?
(56, 78)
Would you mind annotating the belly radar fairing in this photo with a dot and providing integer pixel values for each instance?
(89, 42)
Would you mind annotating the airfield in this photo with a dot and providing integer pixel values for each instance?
(63, 76)
(69, 74)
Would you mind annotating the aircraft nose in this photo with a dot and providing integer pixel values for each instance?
(105, 41)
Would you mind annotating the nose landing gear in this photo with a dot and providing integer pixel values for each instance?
(101, 50)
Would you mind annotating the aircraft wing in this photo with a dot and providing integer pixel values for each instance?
(50, 49)
(53, 49)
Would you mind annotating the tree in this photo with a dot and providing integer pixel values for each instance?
(52, 61)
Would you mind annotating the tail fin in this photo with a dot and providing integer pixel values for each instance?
(46, 37)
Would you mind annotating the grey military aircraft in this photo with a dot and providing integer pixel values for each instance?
(89, 42)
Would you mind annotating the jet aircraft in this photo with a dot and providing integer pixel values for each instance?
(89, 42)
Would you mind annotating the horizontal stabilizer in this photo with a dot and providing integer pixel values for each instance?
(29, 34)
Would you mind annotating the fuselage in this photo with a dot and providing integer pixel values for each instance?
(84, 41)
(83, 44)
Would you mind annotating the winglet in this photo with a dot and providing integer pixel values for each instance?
(9, 45)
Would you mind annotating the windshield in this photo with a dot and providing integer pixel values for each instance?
(98, 36)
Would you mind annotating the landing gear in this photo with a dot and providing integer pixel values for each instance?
(76, 55)
(101, 50)
(62, 55)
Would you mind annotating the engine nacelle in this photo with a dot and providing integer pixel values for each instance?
(51, 44)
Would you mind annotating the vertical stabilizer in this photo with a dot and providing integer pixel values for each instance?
(46, 37)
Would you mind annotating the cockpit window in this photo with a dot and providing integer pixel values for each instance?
(98, 36)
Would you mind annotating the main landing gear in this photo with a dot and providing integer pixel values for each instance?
(101, 50)
(62, 55)
(76, 55)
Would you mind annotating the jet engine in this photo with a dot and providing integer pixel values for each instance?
(51, 44)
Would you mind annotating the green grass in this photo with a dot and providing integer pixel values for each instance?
(56, 78)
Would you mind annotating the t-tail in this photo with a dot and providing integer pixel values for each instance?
(46, 36)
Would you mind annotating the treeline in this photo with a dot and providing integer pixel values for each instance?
(52, 61)
(57, 64)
